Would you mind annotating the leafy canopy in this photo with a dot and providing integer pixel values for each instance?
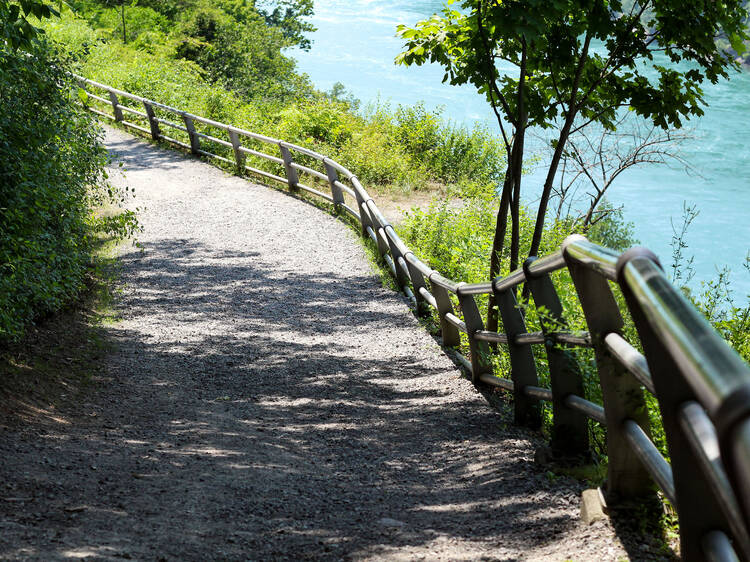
(15, 29)
(575, 62)
(563, 74)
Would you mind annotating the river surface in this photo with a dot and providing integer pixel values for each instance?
(355, 44)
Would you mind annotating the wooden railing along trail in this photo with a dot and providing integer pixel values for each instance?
(701, 384)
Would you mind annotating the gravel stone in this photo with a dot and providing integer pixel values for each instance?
(268, 399)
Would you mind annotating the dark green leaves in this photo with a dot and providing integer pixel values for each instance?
(50, 161)
(561, 78)
(15, 29)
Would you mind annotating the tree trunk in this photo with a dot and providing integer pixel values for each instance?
(510, 198)
(501, 227)
(541, 213)
(515, 237)
(124, 33)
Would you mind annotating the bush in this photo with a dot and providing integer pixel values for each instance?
(50, 158)
(450, 152)
(323, 122)
(376, 159)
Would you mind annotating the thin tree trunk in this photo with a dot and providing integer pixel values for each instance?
(515, 238)
(541, 213)
(501, 227)
(124, 33)
(510, 199)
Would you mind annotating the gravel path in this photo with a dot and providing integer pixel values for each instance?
(269, 400)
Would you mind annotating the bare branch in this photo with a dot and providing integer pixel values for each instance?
(601, 156)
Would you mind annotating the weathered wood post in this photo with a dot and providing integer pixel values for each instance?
(479, 350)
(364, 213)
(451, 336)
(398, 257)
(570, 435)
(417, 283)
(195, 141)
(333, 177)
(698, 499)
(526, 410)
(292, 177)
(115, 106)
(621, 393)
(239, 156)
(152, 122)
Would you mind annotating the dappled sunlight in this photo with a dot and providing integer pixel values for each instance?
(89, 551)
(259, 410)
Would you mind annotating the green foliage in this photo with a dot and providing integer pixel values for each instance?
(16, 31)
(449, 151)
(323, 122)
(577, 61)
(715, 299)
(407, 148)
(51, 161)
(235, 44)
(455, 234)
(550, 43)
(717, 302)
(287, 16)
(376, 159)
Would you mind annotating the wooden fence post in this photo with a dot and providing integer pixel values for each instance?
(697, 503)
(479, 350)
(195, 142)
(417, 283)
(621, 393)
(570, 434)
(364, 213)
(333, 177)
(451, 336)
(526, 410)
(115, 106)
(292, 177)
(239, 156)
(402, 278)
(152, 122)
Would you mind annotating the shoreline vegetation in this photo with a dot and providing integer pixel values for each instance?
(171, 57)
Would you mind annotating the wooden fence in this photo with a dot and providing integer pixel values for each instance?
(701, 384)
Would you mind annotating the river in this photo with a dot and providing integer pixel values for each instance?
(355, 44)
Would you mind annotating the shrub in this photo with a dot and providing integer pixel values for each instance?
(50, 159)
(323, 122)
(450, 152)
(376, 159)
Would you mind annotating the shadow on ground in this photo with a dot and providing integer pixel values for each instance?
(264, 414)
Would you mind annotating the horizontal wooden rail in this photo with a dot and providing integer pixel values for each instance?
(702, 386)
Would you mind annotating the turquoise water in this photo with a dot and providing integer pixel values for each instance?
(355, 44)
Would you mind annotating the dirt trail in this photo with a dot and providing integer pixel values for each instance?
(267, 399)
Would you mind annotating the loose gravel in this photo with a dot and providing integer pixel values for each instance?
(268, 399)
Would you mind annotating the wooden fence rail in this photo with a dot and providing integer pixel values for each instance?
(701, 384)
